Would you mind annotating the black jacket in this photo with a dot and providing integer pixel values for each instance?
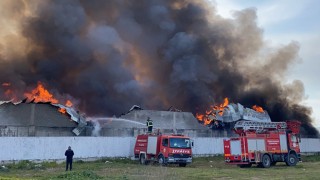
(69, 153)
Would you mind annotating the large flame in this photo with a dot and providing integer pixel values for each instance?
(258, 108)
(210, 114)
(40, 94)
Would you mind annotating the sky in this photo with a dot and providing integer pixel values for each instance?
(284, 21)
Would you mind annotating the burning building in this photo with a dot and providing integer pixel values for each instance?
(168, 122)
(218, 115)
(109, 55)
(39, 114)
(34, 119)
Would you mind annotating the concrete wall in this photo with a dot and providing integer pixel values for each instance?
(53, 148)
(310, 145)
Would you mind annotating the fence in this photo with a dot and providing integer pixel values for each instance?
(53, 148)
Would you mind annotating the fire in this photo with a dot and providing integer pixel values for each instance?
(258, 108)
(69, 103)
(62, 110)
(8, 92)
(210, 114)
(40, 94)
(221, 106)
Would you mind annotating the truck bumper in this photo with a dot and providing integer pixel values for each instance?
(179, 160)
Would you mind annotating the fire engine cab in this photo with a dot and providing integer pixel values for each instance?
(164, 149)
(264, 144)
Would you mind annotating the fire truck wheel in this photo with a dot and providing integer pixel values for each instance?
(142, 159)
(266, 161)
(182, 164)
(291, 160)
(161, 160)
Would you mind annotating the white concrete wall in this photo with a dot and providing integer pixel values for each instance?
(310, 145)
(53, 148)
(207, 146)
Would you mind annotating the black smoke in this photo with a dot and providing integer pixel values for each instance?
(110, 55)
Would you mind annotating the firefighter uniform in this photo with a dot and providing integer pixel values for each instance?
(149, 125)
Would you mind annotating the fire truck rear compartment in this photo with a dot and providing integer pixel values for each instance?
(263, 146)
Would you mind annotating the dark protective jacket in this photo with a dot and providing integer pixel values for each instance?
(69, 154)
(149, 123)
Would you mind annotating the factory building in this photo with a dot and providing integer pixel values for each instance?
(45, 119)
(34, 119)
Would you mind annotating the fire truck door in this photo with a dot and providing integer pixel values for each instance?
(283, 143)
(152, 145)
(164, 147)
(235, 147)
(256, 145)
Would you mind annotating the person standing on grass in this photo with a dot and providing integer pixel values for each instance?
(69, 155)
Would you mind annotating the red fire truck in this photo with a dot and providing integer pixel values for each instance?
(264, 144)
(164, 149)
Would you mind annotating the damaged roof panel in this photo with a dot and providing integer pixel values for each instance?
(37, 114)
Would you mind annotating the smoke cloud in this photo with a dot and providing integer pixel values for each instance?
(110, 55)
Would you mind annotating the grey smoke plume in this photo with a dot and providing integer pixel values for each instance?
(109, 55)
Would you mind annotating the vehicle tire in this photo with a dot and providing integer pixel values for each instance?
(143, 159)
(245, 165)
(291, 160)
(182, 164)
(266, 161)
(161, 160)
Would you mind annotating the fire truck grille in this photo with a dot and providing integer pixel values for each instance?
(181, 156)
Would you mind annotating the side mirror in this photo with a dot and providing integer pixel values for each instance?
(191, 143)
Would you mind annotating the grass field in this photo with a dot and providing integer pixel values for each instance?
(201, 168)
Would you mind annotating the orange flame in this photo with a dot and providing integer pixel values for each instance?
(210, 115)
(40, 94)
(69, 103)
(62, 110)
(8, 93)
(258, 108)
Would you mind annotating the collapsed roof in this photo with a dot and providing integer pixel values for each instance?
(21, 114)
(234, 112)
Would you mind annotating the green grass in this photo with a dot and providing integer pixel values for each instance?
(201, 168)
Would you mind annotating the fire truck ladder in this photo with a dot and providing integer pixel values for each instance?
(259, 126)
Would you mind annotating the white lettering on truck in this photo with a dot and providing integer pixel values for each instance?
(181, 151)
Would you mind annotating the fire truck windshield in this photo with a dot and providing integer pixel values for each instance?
(180, 143)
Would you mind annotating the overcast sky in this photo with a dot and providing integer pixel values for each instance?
(284, 21)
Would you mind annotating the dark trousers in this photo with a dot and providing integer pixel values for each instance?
(149, 129)
(67, 165)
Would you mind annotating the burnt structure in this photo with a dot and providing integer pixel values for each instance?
(34, 119)
(44, 119)
(167, 122)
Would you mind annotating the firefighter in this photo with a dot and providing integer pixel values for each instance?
(149, 125)
(69, 155)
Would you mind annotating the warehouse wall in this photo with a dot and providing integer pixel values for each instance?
(53, 148)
